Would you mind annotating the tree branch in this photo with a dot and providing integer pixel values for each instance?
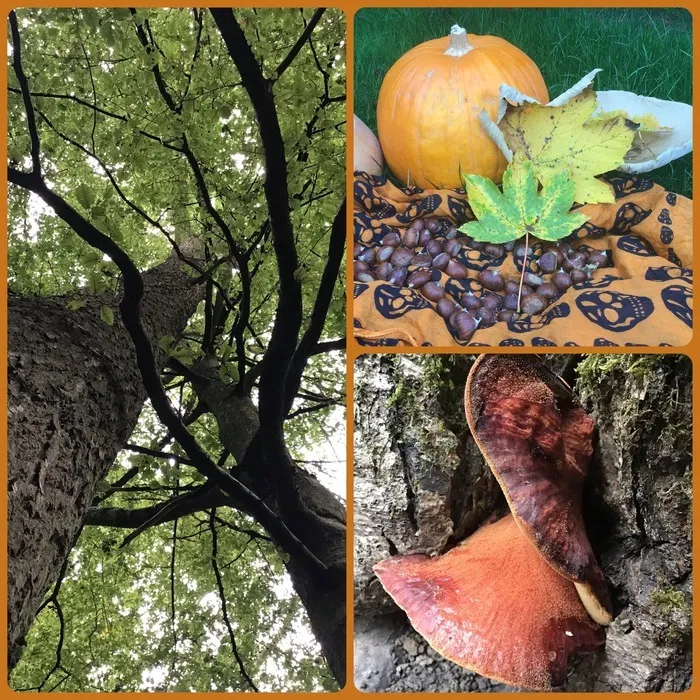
(222, 597)
(160, 81)
(328, 346)
(288, 316)
(130, 313)
(100, 110)
(159, 455)
(26, 95)
(53, 599)
(203, 498)
(240, 258)
(299, 43)
(173, 614)
(324, 296)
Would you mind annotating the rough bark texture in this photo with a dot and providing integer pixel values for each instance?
(324, 599)
(75, 395)
(421, 485)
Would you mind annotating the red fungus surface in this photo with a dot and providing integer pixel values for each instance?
(495, 606)
(538, 443)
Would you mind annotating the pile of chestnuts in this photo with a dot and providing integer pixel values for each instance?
(422, 255)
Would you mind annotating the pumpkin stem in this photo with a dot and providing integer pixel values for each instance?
(459, 44)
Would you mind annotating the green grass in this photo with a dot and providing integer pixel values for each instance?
(646, 51)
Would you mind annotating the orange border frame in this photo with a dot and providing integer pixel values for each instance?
(350, 7)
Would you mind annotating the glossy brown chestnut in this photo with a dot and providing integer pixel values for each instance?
(433, 291)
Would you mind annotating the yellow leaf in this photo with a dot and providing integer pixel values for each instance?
(645, 122)
(566, 138)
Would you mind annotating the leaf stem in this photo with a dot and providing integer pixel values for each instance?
(522, 272)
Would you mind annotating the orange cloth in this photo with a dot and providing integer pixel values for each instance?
(645, 298)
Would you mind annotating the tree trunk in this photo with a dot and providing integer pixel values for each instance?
(75, 395)
(421, 485)
(323, 599)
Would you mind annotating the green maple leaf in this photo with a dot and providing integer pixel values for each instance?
(520, 209)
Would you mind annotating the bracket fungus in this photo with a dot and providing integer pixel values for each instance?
(538, 443)
(517, 598)
(494, 606)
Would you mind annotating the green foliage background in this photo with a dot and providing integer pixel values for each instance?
(125, 627)
(645, 51)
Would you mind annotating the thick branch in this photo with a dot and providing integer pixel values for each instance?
(324, 296)
(289, 310)
(156, 453)
(26, 95)
(329, 346)
(177, 507)
(288, 315)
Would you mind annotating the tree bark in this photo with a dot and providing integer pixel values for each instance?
(421, 485)
(75, 395)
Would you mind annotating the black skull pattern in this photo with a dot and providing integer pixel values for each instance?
(614, 311)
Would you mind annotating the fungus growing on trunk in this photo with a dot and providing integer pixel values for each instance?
(494, 606)
(538, 443)
(518, 597)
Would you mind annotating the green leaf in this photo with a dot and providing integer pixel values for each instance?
(555, 220)
(165, 343)
(228, 372)
(92, 257)
(232, 371)
(121, 14)
(520, 209)
(98, 283)
(107, 315)
(75, 304)
(85, 195)
(107, 33)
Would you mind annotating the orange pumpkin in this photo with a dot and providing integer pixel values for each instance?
(429, 102)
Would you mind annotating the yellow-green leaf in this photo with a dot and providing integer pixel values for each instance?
(75, 304)
(567, 139)
(107, 315)
(91, 257)
(165, 343)
(520, 209)
(85, 195)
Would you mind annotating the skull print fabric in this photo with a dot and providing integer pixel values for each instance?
(644, 299)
